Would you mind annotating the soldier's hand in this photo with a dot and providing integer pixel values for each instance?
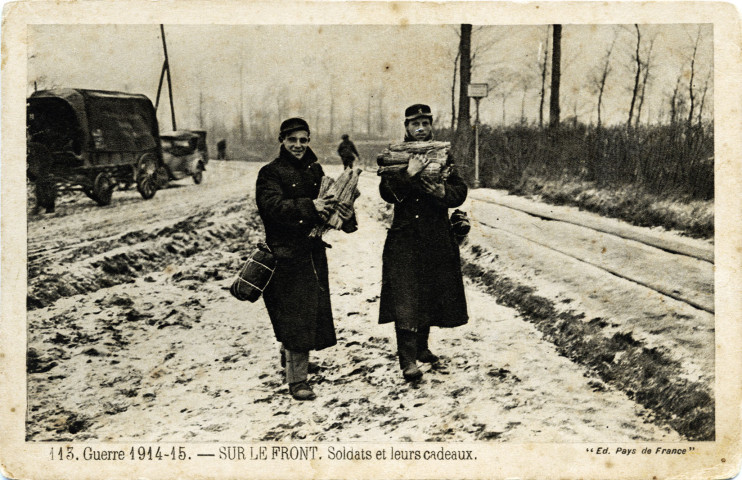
(438, 190)
(416, 164)
(325, 205)
(345, 212)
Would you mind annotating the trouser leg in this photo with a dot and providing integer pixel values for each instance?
(297, 364)
(422, 339)
(406, 347)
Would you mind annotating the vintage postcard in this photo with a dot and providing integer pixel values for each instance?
(370, 240)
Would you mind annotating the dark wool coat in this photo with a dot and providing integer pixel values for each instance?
(421, 275)
(347, 149)
(298, 296)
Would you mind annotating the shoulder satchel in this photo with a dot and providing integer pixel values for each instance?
(460, 225)
(254, 275)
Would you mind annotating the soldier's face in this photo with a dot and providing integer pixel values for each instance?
(296, 143)
(419, 128)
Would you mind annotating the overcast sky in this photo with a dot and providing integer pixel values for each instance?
(295, 69)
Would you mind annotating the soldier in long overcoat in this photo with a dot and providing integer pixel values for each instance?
(298, 295)
(422, 284)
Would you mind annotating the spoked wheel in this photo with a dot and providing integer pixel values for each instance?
(103, 188)
(199, 175)
(145, 175)
(89, 192)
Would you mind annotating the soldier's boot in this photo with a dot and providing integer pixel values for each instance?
(407, 351)
(423, 351)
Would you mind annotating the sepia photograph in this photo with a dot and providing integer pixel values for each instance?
(371, 244)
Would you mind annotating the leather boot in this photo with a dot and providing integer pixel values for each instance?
(407, 350)
(423, 352)
(301, 391)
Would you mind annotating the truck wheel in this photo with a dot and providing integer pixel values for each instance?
(199, 175)
(145, 175)
(103, 188)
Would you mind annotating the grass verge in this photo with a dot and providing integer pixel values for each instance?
(694, 218)
(646, 375)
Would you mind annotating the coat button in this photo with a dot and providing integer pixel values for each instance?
(417, 199)
(293, 184)
(301, 221)
(417, 216)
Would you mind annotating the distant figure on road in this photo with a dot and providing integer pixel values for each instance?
(347, 151)
(421, 284)
(221, 150)
(39, 171)
(298, 295)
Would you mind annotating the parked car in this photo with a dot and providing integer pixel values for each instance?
(92, 140)
(202, 146)
(181, 155)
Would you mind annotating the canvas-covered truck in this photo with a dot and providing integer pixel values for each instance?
(92, 140)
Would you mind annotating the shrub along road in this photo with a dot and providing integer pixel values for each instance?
(133, 336)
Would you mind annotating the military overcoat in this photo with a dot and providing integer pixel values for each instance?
(421, 274)
(298, 295)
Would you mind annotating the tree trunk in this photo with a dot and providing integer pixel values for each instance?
(691, 92)
(544, 68)
(556, 60)
(645, 78)
(637, 76)
(703, 98)
(463, 137)
(453, 91)
(674, 102)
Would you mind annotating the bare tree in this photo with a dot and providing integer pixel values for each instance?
(453, 89)
(675, 100)
(526, 83)
(382, 116)
(556, 58)
(368, 113)
(463, 128)
(637, 74)
(691, 90)
(332, 107)
(502, 84)
(645, 78)
(703, 97)
(483, 40)
(599, 79)
(241, 119)
(544, 68)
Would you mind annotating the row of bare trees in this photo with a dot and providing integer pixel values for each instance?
(686, 102)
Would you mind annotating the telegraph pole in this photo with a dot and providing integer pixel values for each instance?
(166, 69)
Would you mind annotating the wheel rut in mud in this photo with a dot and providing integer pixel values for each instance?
(114, 261)
(645, 374)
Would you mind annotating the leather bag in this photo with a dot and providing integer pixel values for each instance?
(254, 275)
(460, 225)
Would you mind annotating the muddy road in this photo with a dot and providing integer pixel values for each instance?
(133, 336)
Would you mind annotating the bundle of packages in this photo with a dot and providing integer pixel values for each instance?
(396, 157)
(344, 190)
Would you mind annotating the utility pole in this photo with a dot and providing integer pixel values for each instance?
(166, 66)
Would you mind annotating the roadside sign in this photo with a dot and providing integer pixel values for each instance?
(477, 90)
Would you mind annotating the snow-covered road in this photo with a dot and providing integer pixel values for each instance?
(133, 335)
